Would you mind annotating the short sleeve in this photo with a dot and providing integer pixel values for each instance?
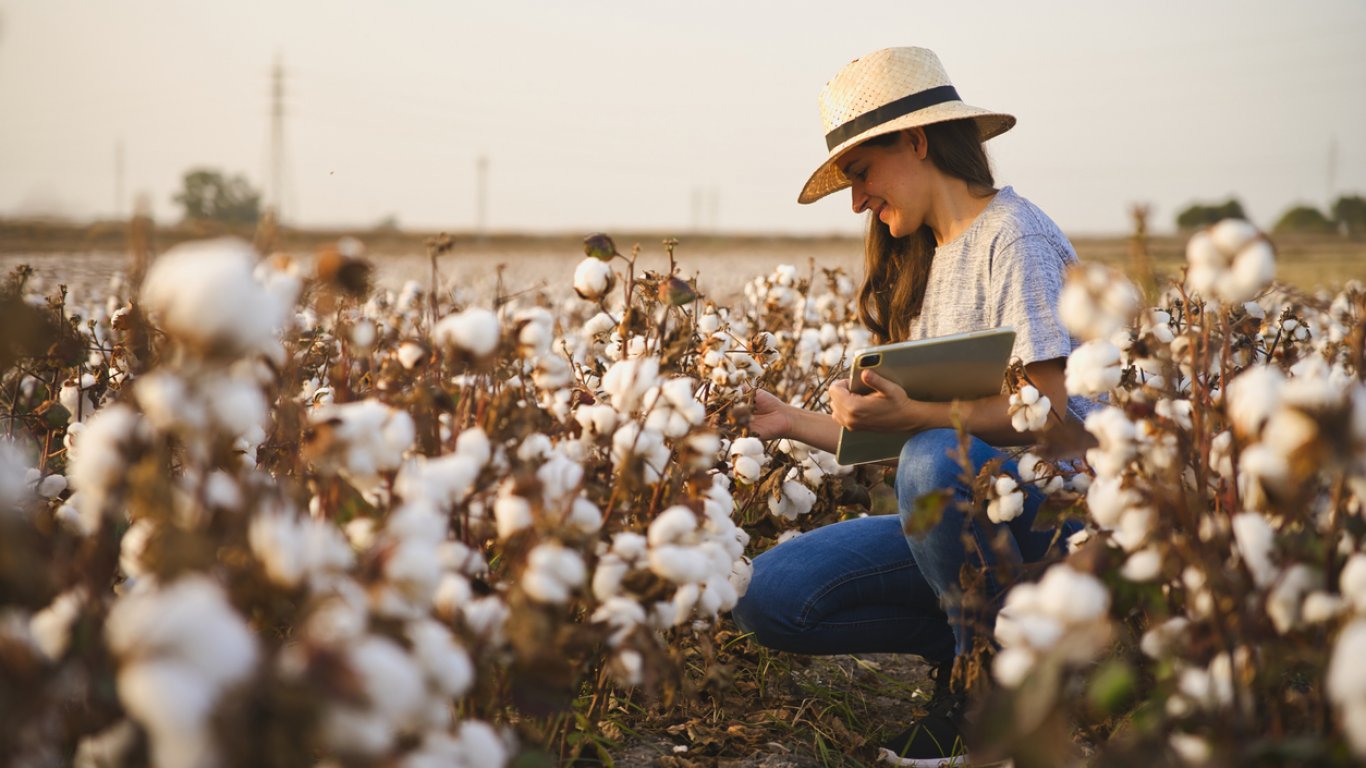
(1026, 281)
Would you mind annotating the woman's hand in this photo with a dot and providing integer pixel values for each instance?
(885, 409)
(771, 417)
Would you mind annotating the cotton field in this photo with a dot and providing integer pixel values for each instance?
(256, 511)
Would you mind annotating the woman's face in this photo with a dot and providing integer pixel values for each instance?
(891, 180)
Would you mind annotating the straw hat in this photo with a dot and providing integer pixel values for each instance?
(883, 92)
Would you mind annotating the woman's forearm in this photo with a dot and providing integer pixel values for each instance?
(814, 428)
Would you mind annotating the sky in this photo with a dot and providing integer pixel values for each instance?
(662, 114)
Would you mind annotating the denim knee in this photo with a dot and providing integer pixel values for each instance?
(770, 609)
(929, 462)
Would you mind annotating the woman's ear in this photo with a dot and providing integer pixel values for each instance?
(918, 142)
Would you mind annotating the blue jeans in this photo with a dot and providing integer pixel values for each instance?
(856, 587)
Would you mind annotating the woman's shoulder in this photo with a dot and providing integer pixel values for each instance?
(1014, 220)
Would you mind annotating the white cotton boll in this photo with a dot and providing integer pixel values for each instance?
(794, 500)
(190, 620)
(1193, 750)
(446, 664)
(559, 477)
(584, 516)
(474, 330)
(535, 447)
(1143, 566)
(75, 400)
(173, 704)
(718, 595)
(674, 525)
(552, 573)
(684, 601)
(1352, 581)
(14, 485)
(593, 278)
(627, 381)
(629, 546)
(205, 294)
(52, 486)
(51, 626)
(410, 353)
(1231, 235)
(1255, 540)
(1008, 502)
(1159, 641)
(1011, 666)
(391, 680)
(235, 406)
(480, 745)
(364, 334)
(1253, 396)
(741, 572)
(1347, 683)
(1320, 607)
(631, 440)
(1073, 595)
(339, 619)
(1093, 368)
(1116, 437)
(607, 576)
(680, 564)
(109, 747)
(598, 419)
(746, 469)
(1254, 267)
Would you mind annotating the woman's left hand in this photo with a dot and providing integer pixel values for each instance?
(885, 409)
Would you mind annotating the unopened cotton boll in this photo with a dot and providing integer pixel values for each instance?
(474, 330)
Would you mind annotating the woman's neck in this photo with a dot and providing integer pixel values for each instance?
(953, 208)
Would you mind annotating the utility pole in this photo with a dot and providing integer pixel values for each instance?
(118, 180)
(481, 191)
(1332, 168)
(277, 139)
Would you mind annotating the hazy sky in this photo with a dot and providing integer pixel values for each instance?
(602, 115)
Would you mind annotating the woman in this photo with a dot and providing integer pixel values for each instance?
(946, 252)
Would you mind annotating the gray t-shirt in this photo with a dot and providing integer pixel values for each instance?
(1007, 268)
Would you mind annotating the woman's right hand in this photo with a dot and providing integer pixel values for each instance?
(771, 418)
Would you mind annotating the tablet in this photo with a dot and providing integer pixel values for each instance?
(963, 366)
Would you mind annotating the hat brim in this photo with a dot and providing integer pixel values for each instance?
(828, 178)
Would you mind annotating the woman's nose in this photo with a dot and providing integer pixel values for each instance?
(860, 198)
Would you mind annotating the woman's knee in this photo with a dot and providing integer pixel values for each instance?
(928, 462)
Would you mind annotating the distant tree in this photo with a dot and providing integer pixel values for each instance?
(1349, 214)
(1305, 219)
(209, 194)
(1199, 215)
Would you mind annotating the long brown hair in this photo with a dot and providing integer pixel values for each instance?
(897, 269)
